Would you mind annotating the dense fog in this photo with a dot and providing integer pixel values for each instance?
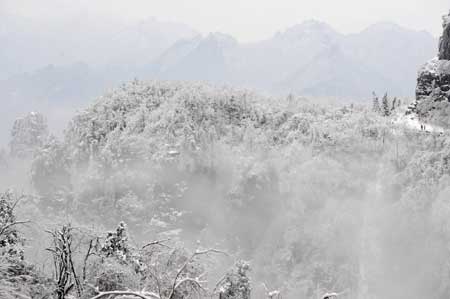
(160, 163)
(314, 198)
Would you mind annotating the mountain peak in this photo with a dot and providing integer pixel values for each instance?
(387, 26)
(311, 27)
(221, 39)
(313, 23)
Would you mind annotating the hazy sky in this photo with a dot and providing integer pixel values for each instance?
(247, 20)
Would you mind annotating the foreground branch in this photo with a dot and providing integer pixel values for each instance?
(176, 283)
(4, 228)
(158, 242)
(127, 293)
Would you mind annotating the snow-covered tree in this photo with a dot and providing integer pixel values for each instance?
(284, 173)
(394, 104)
(116, 243)
(11, 241)
(236, 284)
(386, 108)
(28, 134)
(50, 168)
(376, 103)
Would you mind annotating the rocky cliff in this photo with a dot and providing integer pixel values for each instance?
(444, 43)
(433, 82)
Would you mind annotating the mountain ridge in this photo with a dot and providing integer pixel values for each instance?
(384, 50)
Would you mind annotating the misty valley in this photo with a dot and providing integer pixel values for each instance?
(183, 189)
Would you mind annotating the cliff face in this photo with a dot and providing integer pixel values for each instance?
(444, 43)
(433, 82)
(433, 79)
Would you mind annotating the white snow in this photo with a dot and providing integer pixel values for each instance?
(430, 67)
(435, 66)
(412, 122)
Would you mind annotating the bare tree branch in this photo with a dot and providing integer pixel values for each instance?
(4, 228)
(19, 198)
(219, 282)
(194, 281)
(86, 257)
(146, 295)
(157, 280)
(175, 283)
(158, 242)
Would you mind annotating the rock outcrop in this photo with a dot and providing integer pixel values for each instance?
(433, 82)
(444, 43)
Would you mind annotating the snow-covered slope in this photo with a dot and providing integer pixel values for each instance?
(412, 122)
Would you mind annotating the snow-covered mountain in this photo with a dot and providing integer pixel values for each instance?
(333, 72)
(307, 59)
(208, 58)
(393, 52)
(310, 59)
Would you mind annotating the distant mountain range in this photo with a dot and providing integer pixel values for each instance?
(308, 59)
(29, 45)
(56, 69)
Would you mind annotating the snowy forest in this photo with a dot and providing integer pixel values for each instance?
(162, 189)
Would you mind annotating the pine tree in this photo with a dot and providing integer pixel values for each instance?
(376, 104)
(394, 104)
(385, 102)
